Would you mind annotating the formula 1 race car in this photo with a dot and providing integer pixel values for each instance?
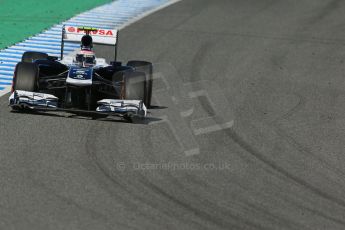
(82, 84)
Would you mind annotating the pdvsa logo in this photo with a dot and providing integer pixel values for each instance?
(72, 29)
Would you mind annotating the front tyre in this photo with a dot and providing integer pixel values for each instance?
(135, 86)
(25, 77)
(147, 68)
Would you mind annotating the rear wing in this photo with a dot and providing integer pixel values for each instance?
(99, 36)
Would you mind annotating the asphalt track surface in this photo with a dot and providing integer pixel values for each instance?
(272, 71)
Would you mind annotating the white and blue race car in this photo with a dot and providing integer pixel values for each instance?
(82, 84)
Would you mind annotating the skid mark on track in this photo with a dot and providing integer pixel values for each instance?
(284, 135)
(119, 190)
(306, 150)
(325, 11)
(199, 60)
(280, 170)
(297, 107)
(217, 221)
(70, 201)
(124, 189)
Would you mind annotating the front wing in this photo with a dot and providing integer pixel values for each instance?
(20, 99)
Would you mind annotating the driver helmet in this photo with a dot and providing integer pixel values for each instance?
(86, 58)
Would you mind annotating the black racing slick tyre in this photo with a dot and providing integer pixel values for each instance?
(25, 77)
(31, 56)
(147, 68)
(135, 86)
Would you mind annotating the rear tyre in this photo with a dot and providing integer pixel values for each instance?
(31, 56)
(25, 77)
(147, 68)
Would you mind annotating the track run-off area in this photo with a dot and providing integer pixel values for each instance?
(22, 19)
(246, 132)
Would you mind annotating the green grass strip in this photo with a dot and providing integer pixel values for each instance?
(20, 19)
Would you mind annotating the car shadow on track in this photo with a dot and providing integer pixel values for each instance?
(135, 120)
